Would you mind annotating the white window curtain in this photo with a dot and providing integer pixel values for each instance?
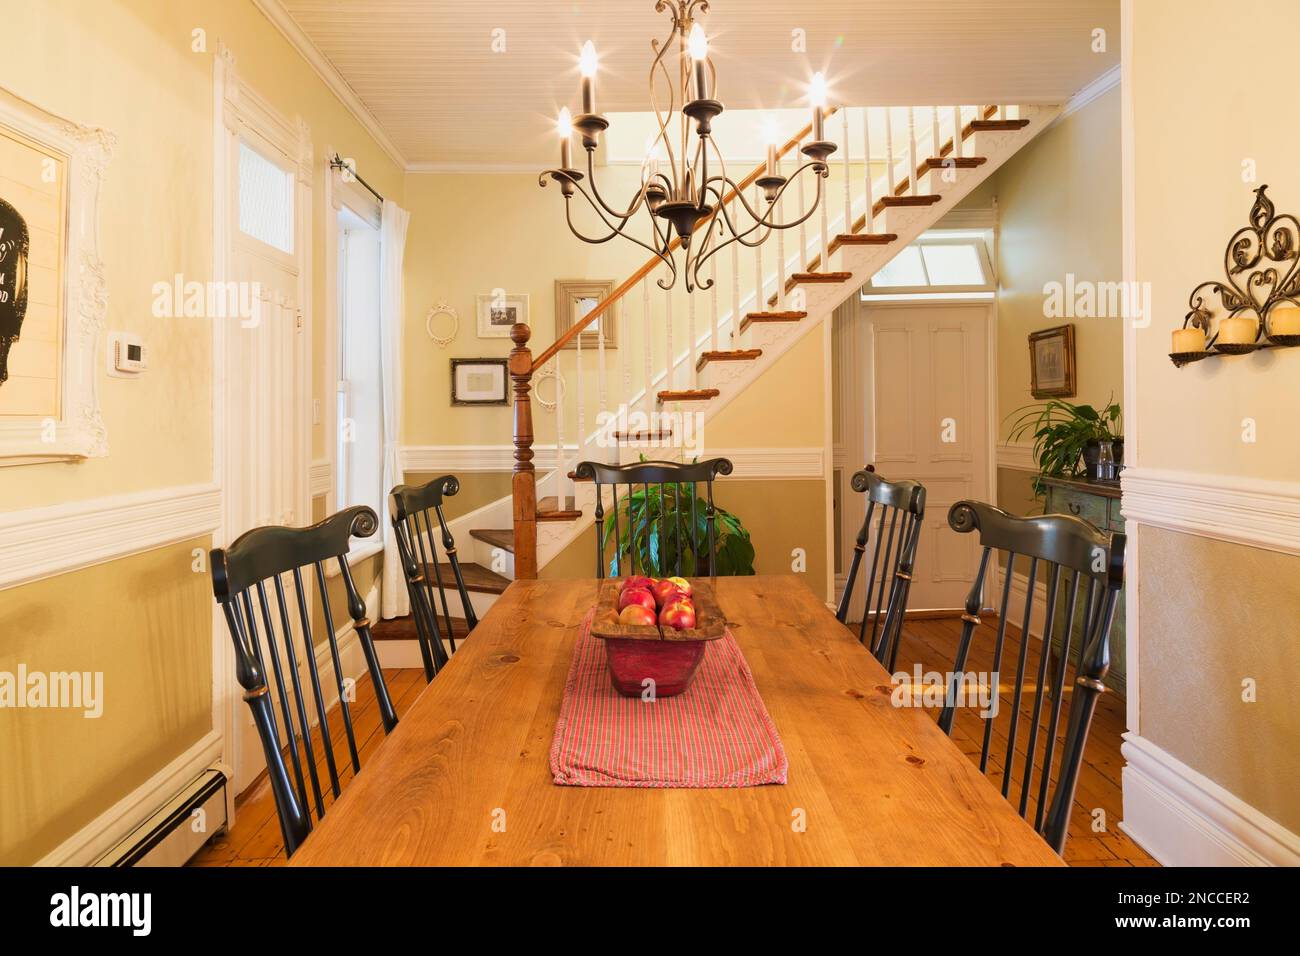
(394, 601)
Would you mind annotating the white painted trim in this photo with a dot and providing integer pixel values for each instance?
(322, 478)
(298, 39)
(1249, 511)
(504, 169)
(1094, 90)
(755, 464)
(1132, 431)
(101, 834)
(1018, 456)
(460, 459)
(1183, 818)
(41, 542)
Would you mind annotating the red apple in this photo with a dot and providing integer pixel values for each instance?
(637, 596)
(638, 581)
(679, 615)
(635, 614)
(683, 585)
(664, 592)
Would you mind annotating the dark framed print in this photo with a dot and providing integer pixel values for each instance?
(479, 381)
(574, 298)
(1051, 362)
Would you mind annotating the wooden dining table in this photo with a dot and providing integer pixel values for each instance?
(464, 778)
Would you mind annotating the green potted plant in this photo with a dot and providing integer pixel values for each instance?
(1068, 437)
(656, 525)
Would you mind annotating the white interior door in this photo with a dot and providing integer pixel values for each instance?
(913, 401)
(266, 376)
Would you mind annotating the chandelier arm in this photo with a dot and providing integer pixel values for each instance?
(661, 118)
(759, 222)
(623, 216)
(614, 230)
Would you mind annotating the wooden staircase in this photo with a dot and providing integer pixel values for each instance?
(549, 508)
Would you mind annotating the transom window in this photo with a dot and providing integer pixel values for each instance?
(937, 263)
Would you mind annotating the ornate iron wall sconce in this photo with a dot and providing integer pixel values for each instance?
(1262, 289)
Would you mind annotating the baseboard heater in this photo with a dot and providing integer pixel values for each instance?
(168, 837)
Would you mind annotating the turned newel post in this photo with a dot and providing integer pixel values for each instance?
(523, 487)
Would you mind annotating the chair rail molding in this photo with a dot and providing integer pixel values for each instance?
(1251, 511)
(1018, 456)
(463, 459)
(39, 543)
(1183, 818)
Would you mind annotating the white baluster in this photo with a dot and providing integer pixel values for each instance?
(848, 178)
(825, 255)
(669, 377)
(759, 304)
(802, 258)
(647, 399)
(866, 162)
(779, 215)
(580, 402)
(625, 366)
(602, 391)
(560, 459)
(735, 292)
(713, 297)
(911, 151)
(956, 132)
(889, 149)
(691, 357)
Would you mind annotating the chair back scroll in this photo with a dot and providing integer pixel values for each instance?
(901, 509)
(269, 629)
(660, 514)
(411, 508)
(1070, 554)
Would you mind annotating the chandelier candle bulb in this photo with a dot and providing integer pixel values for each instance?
(817, 96)
(564, 127)
(1284, 320)
(1190, 339)
(587, 67)
(1238, 330)
(698, 46)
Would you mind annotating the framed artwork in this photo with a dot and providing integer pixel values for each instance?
(1051, 362)
(479, 381)
(498, 311)
(53, 298)
(574, 298)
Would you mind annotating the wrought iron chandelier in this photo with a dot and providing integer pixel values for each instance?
(678, 189)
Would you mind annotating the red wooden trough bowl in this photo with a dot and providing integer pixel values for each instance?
(668, 657)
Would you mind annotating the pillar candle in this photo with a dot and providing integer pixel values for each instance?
(1189, 340)
(1284, 319)
(1238, 330)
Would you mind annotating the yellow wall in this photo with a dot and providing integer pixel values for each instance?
(146, 620)
(1212, 614)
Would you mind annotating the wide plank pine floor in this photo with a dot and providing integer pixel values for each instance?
(255, 838)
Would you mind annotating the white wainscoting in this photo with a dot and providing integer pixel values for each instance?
(321, 478)
(1183, 818)
(38, 543)
(1016, 455)
(751, 463)
(1249, 511)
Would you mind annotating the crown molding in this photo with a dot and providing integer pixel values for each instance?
(298, 39)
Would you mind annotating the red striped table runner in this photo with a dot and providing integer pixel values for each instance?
(717, 733)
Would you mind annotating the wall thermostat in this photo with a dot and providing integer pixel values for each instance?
(126, 354)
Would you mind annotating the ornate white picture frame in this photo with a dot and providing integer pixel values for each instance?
(78, 429)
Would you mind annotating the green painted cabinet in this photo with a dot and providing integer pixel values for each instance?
(1099, 504)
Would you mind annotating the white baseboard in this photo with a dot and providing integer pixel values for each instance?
(1182, 818)
(106, 830)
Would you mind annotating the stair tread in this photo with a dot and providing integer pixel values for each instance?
(890, 201)
(552, 504)
(995, 126)
(643, 435)
(865, 238)
(775, 316)
(403, 628)
(806, 277)
(961, 162)
(477, 577)
(689, 395)
(730, 355)
(497, 537)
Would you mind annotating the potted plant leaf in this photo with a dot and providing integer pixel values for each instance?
(658, 526)
(1068, 438)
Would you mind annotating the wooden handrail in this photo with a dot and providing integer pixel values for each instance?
(631, 282)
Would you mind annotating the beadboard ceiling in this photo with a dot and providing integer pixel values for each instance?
(426, 72)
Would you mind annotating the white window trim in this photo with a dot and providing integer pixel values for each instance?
(980, 240)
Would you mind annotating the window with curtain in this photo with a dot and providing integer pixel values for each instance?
(359, 475)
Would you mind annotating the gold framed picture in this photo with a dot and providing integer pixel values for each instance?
(574, 298)
(1051, 362)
